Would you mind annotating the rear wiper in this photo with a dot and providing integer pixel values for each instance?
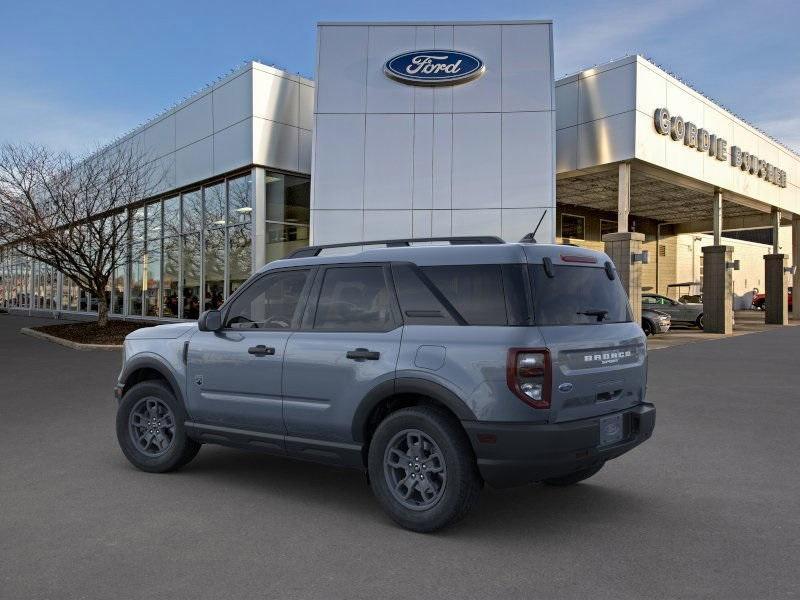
(599, 313)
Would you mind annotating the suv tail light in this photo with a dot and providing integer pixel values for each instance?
(528, 375)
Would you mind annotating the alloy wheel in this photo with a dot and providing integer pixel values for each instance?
(152, 426)
(415, 470)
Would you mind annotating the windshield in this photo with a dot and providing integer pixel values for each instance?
(577, 295)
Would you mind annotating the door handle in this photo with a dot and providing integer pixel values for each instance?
(261, 350)
(363, 354)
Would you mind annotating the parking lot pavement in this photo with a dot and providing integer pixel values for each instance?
(746, 321)
(709, 508)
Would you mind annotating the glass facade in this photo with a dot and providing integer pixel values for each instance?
(288, 211)
(187, 253)
(26, 283)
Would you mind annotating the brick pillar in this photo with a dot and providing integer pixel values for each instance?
(717, 289)
(777, 312)
(620, 247)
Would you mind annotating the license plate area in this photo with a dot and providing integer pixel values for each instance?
(611, 430)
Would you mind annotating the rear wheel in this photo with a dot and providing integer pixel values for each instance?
(575, 477)
(150, 429)
(422, 469)
(700, 320)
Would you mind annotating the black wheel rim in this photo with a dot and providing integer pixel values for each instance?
(415, 470)
(152, 426)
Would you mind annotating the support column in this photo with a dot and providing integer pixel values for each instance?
(717, 288)
(259, 231)
(621, 247)
(796, 263)
(717, 217)
(777, 309)
(775, 221)
(623, 197)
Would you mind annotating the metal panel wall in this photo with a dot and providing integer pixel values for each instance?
(393, 160)
(657, 89)
(606, 115)
(256, 115)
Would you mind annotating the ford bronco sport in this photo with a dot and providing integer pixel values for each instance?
(432, 367)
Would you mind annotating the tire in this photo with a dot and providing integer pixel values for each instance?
(648, 328)
(167, 450)
(699, 321)
(575, 477)
(454, 483)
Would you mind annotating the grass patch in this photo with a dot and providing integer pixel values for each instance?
(90, 333)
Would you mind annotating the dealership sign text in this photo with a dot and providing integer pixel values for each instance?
(434, 67)
(706, 142)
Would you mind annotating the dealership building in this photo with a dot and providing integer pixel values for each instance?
(427, 130)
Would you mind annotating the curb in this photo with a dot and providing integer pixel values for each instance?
(69, 344)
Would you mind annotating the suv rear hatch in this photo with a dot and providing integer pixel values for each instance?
(597, 353)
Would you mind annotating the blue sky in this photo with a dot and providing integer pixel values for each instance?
(75, 74)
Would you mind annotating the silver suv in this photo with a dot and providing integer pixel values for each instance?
(432, 367)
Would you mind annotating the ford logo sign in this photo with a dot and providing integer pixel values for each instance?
(434, 67)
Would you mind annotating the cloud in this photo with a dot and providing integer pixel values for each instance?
(588, 37)
(39, 117)
(777, 115)
(786, 130)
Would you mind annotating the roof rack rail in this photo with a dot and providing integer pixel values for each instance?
(454, 241)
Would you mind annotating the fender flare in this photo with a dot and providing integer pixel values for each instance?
(408, 385)
(156, 363)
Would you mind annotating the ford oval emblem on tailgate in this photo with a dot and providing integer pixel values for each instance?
(565, 387)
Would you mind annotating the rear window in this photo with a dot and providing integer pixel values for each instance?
(577, 295)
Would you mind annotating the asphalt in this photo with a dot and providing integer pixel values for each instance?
(709, 508)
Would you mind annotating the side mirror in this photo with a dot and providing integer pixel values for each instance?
(210, 320)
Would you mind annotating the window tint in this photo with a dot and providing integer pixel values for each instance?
(354, 299)
(270, 303)
(649, 300)
(577, 296)
(517, 295)
(419, 305)
(475, 291)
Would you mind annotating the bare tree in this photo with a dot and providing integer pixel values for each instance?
(70, 213)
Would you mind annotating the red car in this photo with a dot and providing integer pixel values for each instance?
(760, 300)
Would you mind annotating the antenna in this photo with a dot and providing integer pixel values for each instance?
(530, 238)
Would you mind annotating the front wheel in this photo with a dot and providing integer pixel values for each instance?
(150, 429)
(648, 328)
(700, 321)
(422, 469)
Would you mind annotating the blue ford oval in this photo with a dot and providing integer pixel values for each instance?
(434, 67)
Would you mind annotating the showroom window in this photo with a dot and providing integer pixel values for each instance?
(186, 252)
(573, 227)
(288, 210)
(607, 226)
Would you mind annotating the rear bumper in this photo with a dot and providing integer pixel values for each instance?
(527, 452)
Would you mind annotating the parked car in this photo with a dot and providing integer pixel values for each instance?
(424, 366)
(655, 321)
(683, 313)
(760, 300)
